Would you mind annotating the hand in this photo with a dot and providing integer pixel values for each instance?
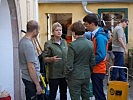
(125, 51)
(67, 81)
(39, 89)
(56, 58)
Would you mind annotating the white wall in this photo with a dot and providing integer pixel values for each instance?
(36, 10)
(6, 50)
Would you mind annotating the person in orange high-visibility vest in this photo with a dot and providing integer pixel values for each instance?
(100, 40)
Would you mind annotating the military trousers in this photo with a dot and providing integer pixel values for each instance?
(79, 88)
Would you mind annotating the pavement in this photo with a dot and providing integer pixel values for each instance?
(130, 89)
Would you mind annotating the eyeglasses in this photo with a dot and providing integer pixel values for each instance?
(85, 24)
(126, 23)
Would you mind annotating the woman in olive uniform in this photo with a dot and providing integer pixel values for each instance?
(80, 60)
(55, 51)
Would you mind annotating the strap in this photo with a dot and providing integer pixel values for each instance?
(36, 43)
(37, 46)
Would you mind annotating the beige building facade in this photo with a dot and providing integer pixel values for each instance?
(115, 10)
(14, 15)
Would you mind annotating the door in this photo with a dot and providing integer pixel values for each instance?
(65, 19)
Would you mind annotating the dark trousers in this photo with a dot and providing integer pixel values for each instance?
(30, 91)
(118, 61)
(97, 83)
(53, 84)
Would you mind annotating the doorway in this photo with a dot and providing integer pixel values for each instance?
(65, 19)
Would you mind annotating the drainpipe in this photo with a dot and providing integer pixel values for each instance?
(101, 22)
(84, 3)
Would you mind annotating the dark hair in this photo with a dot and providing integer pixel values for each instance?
(124, 20)
(78, 28)
(91, 18)
(32, 25)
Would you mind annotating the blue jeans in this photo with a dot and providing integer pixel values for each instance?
(97, 83)
(118, 61)
(30, 91)
(53, 85)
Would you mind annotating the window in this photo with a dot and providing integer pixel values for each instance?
(113, 16)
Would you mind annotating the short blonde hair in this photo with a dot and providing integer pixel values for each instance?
(57, 24)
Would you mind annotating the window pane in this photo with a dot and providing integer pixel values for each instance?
(112, 18)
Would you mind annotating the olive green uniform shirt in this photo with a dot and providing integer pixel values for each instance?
(51, 48)
(80, 59)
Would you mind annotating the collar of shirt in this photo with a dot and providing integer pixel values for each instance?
(94, 32)
(53, 40)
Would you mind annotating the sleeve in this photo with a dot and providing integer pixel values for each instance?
(101, 42)
(69, 64)
(88, 35)
(30, 52)
(92, 57)
(47, 50)
(120, 33)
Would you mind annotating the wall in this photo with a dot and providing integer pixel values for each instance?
(13, 16)
(27, 11)
(78, 13)
(57, 8)
(6, 51)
